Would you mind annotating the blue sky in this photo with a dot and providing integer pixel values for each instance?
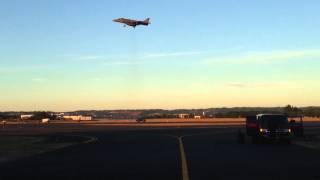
(67, 55)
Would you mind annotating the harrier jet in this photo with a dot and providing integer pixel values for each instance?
(133, 23)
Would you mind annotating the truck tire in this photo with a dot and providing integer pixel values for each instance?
(255, 140)
(241, 137)
(287, 141)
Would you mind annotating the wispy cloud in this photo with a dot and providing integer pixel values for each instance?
(237, 85)
(97, 79)
(109, 59)
(21, 68)
(264, 57)
(123, 63)
(258, 85)
(91, 57)
(38, 80)
(172, 54)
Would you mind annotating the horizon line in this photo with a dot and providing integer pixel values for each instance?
(143, 109)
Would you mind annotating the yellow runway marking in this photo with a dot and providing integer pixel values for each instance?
(185, 172)
(184, 164)
(90, 139)
(310, 145)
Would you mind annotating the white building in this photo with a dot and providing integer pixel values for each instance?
(25, 116)
(197, 117)
(78, 118)
(45, 121)
(183, 116)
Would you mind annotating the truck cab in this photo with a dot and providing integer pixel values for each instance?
(274, 127)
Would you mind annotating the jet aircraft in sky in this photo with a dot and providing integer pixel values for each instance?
(133, 23)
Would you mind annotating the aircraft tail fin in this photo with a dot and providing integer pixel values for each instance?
(147, 21)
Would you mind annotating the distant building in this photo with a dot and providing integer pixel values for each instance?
(78, 118)
(59, 116)
(45, 121)
(197, 117)
(183, 116)
(25, 116)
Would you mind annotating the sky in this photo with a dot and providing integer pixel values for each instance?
(69, 55)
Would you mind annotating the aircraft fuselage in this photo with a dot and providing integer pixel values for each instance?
(133, 23)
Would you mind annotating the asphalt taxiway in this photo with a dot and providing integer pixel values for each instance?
(169, 153)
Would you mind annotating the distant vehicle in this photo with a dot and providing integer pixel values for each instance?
(133, 23)
(268, 127)
(141, 120)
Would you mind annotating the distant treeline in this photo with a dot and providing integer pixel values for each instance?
(236, 112)
(160, 113)
(37, 115)
(9, 115)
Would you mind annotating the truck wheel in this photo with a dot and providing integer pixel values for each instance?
(288, 142)
(255, 140)
(241, 137)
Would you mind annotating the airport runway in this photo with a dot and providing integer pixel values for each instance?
(169, 154)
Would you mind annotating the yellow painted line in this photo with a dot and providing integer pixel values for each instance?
(314, 144)
(310, 146)
(90, 139)
(184, 164)
(185, 172)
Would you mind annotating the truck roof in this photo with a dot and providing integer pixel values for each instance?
(259, 115)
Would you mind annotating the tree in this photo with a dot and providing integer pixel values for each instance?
(292, 111)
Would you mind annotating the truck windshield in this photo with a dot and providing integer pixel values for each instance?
(274, 122)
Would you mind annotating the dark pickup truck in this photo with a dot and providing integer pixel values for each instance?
(273, 127)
